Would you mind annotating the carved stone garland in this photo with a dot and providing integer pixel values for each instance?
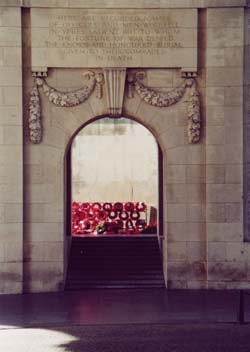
(35, 123)
(64, 99)
(165, 99)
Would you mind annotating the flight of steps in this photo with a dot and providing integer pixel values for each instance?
(114, 262)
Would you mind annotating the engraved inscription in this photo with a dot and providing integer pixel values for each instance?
(114, 38)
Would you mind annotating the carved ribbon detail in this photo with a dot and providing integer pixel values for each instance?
(165, 99)
(64, 99)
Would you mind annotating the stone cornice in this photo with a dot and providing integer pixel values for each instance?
(125, 4)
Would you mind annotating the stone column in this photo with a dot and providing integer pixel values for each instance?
(11, 151)
(224, 84)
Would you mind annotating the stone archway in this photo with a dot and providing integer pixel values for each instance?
(153, 192)
(183, 202)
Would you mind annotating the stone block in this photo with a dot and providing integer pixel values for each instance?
(215, 135)
(215, 173)
(236, 252)
(225, 232)
(12, 135)
(234, 173)
(10, 76)
(233, 96)
(192, 231)
(219, 37)
(176, 193)
(215, 154)
(196, 285)
(10, 174)
(10, 115)
(233, 153)
(54, 137)
(160, 78)
(2, 259)
(1, 56)
(225, 17)
(11, 232)
(196, 192)
(34, 251)
(54, 251)
(53, 212)
(44, 232)
(234, 212)
(13, 213)
(10, 36)
(35, 213)
(216, 252)
(215, 57)
(229, 212)
(217, 285)
(196, 154)
(11, 17)
(12, 56)
(215, 116)
(177, 271)
(216, 212)
(43, 272)
(177, 251)
(238, 285)
(13, 252)
(176, 284)
(234, 134)
(224, 193)
(177, 213)
(179, 155)
(196, 213)
(146, 112)
(195, 173)
(233, 56)
(215, 96)
(233, 114)
(175, 174)
(42, 193)
(197, 271)
(174, 137)
(224, 77)
(2, 214)
(11, 154)
(227, 271)
(11, 193)
(130, 106)
(12, 96)
(196, 251)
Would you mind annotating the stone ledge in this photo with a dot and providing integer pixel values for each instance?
(119, 4)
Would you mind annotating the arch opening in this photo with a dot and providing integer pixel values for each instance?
(114, 180)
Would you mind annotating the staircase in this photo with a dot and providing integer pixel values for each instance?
(114, 262)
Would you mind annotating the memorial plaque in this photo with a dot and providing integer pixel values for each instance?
(114, 38)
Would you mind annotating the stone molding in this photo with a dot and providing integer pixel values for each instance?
(130, 3)
(115, 84)
(164, 99)
(114, 80)
(63, 99)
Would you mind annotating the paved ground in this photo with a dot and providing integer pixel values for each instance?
(124, 320)
(128, 338)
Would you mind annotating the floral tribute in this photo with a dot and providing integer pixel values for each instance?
(109, 218)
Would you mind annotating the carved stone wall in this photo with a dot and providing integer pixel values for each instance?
(203, 213)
